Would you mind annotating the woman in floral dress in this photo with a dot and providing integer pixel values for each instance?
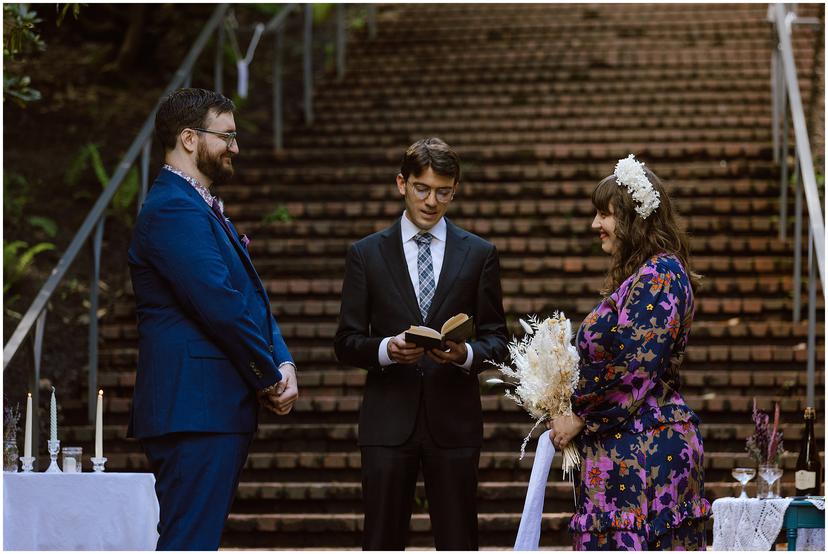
(642, 477)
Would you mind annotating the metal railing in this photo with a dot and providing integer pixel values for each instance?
(93, 224)
(785, 89)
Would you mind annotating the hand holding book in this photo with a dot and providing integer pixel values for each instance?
(444, 346)
(458, 329)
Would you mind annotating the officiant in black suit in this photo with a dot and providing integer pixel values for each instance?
(421, 409)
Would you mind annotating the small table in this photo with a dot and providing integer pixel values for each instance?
(79, 511)
(801, 514)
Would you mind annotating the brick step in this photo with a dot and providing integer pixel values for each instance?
(291, 467)
(598, 14)
(633, 58)
(250, 209)
(344, 140)
(117, 330)
(532, 88)
(506, 246)
(331, 444)
(344, 530)
(314, 497)
(540, 66)
(714, 355)
(671, 163)
(609, 16)
(494, 56)
(258, 187)
(698, 379)
(332, 380)
(606, 146)
(509, 496)
(596, 129)
(322, 351)
(575, 116)
(736, 102)
(320, 414)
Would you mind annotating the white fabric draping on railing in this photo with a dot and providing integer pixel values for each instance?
(528, 535)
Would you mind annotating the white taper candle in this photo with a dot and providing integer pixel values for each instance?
(53, 417)
(99, 427)
(27, 445)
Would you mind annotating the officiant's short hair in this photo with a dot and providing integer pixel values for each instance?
(187, 108)
(434, 153)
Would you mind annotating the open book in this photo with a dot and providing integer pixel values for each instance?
(459, 328)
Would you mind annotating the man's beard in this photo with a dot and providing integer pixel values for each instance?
(213, 166)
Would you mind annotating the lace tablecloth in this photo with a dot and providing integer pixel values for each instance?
(754, 524)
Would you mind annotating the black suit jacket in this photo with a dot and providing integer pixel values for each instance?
(378, 301)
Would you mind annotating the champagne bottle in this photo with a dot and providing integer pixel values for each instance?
(808, 469)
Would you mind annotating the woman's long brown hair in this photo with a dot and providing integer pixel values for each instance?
(639, 239)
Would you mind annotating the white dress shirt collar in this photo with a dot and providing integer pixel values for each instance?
(409, 230)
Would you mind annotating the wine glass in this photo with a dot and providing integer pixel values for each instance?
(743, 475)
(770, 473)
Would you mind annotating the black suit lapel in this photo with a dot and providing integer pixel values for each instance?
(392, 252)
(453, 260)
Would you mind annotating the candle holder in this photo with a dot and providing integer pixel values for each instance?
(98, 464)
(54, 448)
(28, 463)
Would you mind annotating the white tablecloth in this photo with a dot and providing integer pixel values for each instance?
(79, 511)
(754, 524)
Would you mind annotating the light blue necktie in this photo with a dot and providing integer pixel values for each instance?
(425, 271)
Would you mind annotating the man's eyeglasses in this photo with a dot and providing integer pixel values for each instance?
(229, 138)
(443, 195)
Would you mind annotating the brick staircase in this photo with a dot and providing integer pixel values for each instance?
(539, 100)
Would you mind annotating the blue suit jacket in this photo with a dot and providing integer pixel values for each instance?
(207, 338)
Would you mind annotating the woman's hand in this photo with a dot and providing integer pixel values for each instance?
(563, 429)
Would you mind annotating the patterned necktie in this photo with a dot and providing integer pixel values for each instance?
(425, 271)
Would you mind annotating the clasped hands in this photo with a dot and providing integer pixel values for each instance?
(563, 429)
(280, 400)
(403, 352)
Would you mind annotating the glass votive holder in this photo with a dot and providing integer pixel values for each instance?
(72, 459)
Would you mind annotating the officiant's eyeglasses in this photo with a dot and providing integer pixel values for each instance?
(443, 195)
(229, 138)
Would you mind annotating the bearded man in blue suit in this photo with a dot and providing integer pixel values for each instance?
(210, 351)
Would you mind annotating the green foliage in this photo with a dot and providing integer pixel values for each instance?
(18, 88)
(19, 35)
(321, 12)
(89, 156)
(19, 38)
(280, 214)
(75, 7)
(18, 257)
(15, 196)
(46, 224)
(268, 9)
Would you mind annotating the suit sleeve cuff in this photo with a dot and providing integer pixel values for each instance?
(384, 359)
(466, 366)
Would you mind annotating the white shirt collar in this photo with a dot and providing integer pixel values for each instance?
(409, 230)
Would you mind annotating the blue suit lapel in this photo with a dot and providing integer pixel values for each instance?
(232, 235)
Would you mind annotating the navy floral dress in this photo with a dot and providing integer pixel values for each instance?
(642, 479)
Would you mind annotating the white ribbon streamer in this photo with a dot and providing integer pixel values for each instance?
(243, 63)
(528, 535)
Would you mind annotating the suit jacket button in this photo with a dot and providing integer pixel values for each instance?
(270, 348)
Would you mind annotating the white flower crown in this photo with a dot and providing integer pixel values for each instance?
(629, 172)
